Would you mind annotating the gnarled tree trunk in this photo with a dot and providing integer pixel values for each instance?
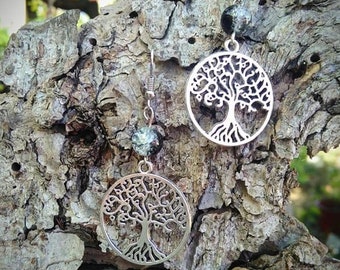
(74, 98)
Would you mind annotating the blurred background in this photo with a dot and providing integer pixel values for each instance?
(316, 202)
(15, 13)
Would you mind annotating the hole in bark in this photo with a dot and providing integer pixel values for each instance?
(16, 166)
(315, 57)
(300, 70)
(14, 187)
(317, 97)
(133, 14)
(88, 136)
(59, 128)
(262, 2)
(191, 40)
(93, 41)
(100, 59)
(106, 13)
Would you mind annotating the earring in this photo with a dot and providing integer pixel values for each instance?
(229, 96)
(144, 216)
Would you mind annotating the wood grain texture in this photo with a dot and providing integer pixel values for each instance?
(76, 97)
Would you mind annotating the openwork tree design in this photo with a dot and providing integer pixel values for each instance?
(141, 209)
(230, 82)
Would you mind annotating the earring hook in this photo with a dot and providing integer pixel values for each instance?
(149, 113)
(152, 63)
(151, 80)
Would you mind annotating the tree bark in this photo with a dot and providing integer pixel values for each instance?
(75, 97)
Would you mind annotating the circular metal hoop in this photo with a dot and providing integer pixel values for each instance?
(145, 218)
(229, 98)
(231, 45)
(145, 166)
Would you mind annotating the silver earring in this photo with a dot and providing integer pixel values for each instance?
(229, 96)
(144, 216)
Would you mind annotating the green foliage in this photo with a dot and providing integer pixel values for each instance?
(319, 180)
(4, 37)
(3, 88)
(299, 165)
(36, 10)
(320, 175)
(34, 5)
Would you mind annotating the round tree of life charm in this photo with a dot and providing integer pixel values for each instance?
(229, 97)
(145, 218)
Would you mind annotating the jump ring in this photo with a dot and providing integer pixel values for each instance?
(145, 166)
(231, 45)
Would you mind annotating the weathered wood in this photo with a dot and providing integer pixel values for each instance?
(74, 100)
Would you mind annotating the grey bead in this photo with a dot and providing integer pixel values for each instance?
(147, 141)
(235, 18)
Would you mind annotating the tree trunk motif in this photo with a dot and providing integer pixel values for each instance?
(234, 80)
(74, 98)
(140, 209)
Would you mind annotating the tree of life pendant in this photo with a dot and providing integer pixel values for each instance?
(229, 97)
(145, 218)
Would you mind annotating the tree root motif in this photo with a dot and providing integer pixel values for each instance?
(229, 132)
(144, 250)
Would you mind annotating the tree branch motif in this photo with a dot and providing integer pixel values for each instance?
(146, 206)
(231, 81)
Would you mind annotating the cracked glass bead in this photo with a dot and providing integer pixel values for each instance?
(236, 19)
(147, 141)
